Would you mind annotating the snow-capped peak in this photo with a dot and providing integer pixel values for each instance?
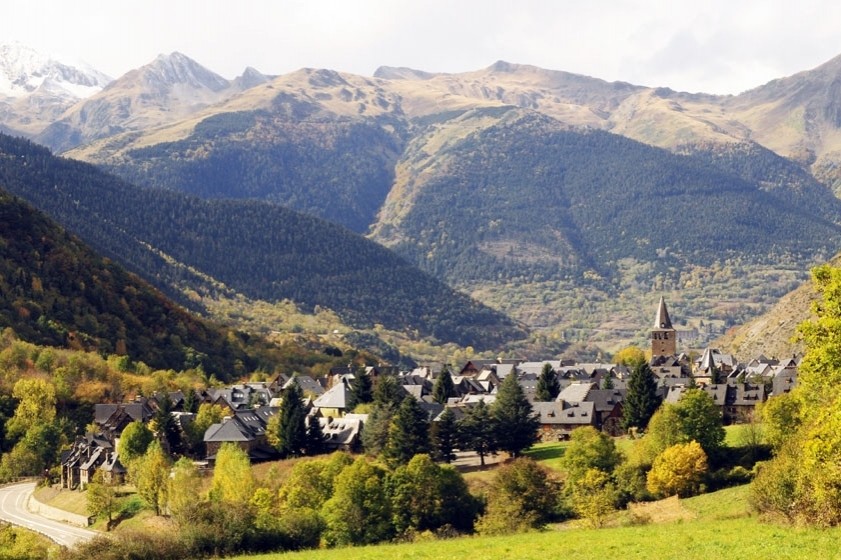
(24, 71)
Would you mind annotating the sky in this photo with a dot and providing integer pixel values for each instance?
(711, 46)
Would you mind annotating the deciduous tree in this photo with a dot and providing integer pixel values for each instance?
(679, 470)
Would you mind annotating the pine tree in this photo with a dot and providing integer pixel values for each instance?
(444, 387)
(641, 401)
(517, 426)
(388, 391)
(548, 386)
(444, 434)
(166, 426)
(476, 431)
(361, 390)
(408, 433)
(315, 436)
(291, 429)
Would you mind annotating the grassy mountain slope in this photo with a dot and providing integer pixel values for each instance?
(260, 250)
(56, 291)
(773, 332)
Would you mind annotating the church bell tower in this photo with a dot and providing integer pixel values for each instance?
(663, 335)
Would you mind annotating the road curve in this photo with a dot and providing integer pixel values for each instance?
(13, 500)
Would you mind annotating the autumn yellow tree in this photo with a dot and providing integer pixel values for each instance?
(679, 470)
(233, 481)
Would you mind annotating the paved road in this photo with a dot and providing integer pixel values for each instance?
(13, 500)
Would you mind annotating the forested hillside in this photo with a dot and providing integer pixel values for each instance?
(526, 198)
(56, 292)
(260, 250)
(340, 170)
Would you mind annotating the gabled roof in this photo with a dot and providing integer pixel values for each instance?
(334, 398)
(575, 392)
(307, 385)
(563, 413)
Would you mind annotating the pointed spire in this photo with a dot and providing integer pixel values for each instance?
(662, 320)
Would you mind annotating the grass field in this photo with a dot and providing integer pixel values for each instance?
(716, 526)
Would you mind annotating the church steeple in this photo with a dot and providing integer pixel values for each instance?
(662, 320)
(663, 335)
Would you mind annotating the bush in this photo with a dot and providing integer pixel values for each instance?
(522, 496)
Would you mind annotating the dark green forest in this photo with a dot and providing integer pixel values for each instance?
(340, 170)
(528, 199)
(258, 249)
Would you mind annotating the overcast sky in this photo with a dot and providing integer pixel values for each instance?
(714, 46)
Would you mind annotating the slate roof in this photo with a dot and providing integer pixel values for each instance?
(564, 413)
(576, 392)
(336, 397)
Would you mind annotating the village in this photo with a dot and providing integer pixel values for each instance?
(589, 394)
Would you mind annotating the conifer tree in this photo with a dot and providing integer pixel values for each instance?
(443, 388)
(315, 436)
(517, 426)
(291, 430)
(477, 431)
(548, 386)
(641, 401)
(166, 426)
(444, 434)
(361, 390)
(408, 433)
(388, 391)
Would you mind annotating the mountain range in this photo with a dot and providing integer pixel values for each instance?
(561, 199)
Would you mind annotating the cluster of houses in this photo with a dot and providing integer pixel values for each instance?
(591, 394)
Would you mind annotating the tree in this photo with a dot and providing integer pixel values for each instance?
(700, 420)
(101, 497)
(233, 480)
(166, 427)
(310, 483)
(522, 496)
(425, 496)
(548, 385)
(630, 356)
(781, 417)
(185, 487)
(444, 387)
(290, 429)
(678, 470)
(594, 496)
(664, 431)
(819, 373)
(36, 405)
(207, 415)
(444, 435)
(517, 426)
(477, 431)
(375, 434)
(151, 476)
(388, 392)
(361, 389)
(589, 449)
(408, 433)
(134, 442)
(359, 512)
(315, 436)
(641, 400)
